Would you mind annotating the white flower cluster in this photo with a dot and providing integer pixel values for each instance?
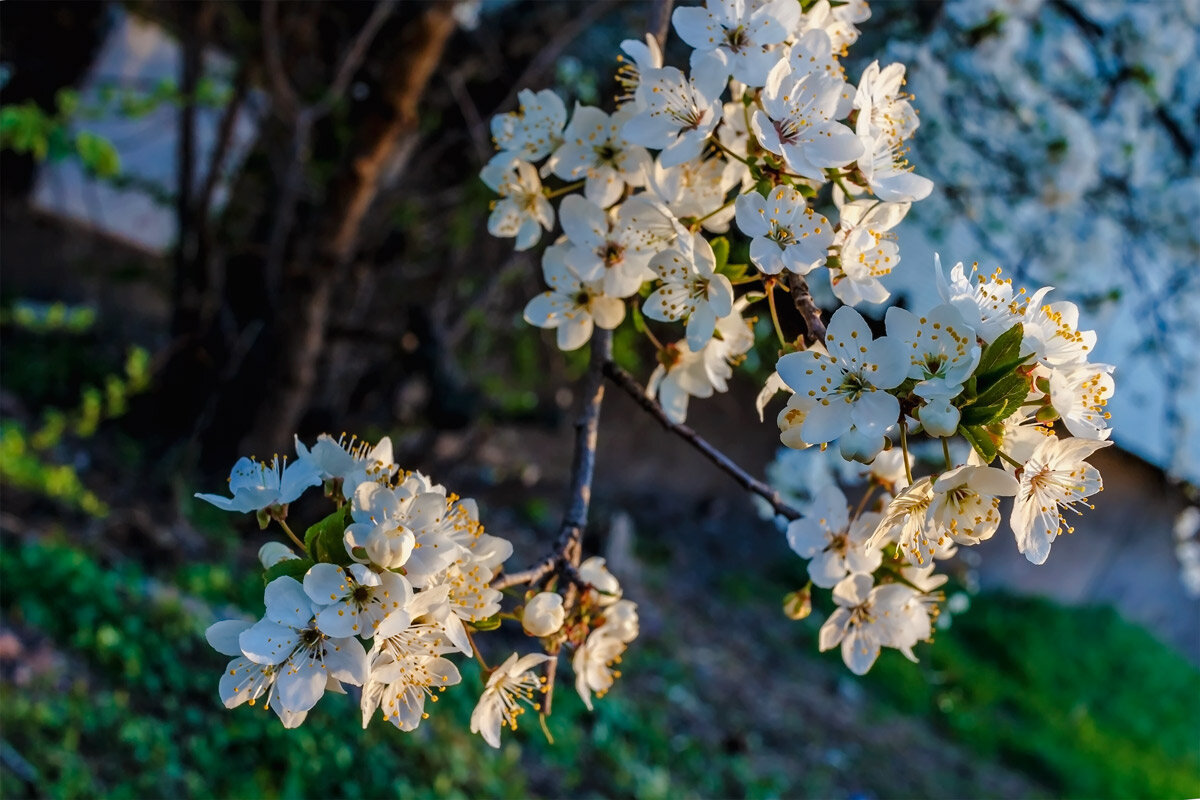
(987, 364)
(1062, 138)
(765, 133)
(404, 568)
(764, 121)
(598, 626)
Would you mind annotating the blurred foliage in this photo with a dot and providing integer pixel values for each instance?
(27, 129)
(26, 454)
(1117, 720)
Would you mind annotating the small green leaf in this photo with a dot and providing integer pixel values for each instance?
(981, 439)
(98, 154)
(324, 540)
(291, 567)
(735, 272)
(720, 248)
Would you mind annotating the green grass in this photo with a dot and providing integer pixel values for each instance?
(1077, 698)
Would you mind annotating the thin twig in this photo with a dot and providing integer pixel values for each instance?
(548, 56)
(630, 386)
(354, 57)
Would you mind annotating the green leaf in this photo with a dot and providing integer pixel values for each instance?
(720, 248)
(98, 154)
(735, 272)
(1005, 388)
(639, 322)
(324, 540)
(981, 439)
(291, 567)
(984, 415)
(1001, 356)
(489, 624)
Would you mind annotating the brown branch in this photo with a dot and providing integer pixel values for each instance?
(286, 104)
(809, 310)
(565, 555)
(630, 386)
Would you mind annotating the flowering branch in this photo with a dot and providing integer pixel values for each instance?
(630, 386)
(565, 555)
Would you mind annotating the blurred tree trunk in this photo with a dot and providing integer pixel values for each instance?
(377, 158)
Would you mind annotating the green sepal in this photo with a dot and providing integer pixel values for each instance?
(325, 541)
(489, 624)
(290, 567)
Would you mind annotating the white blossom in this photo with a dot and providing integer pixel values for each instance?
(511, 688)
(675, 114)
(885, 121)
(354, 601)
(697, 189)
(522, 210)
(836, 545)
(847, 389)
(304, 657)
(571, 307)
(740, 31)
(544, 614)
(595, 149)
(866, 251)
(868, 619)
(593, 664)
(966, 502)
(534, 130)
(785, 233)
(350, 461)
(256, 485)
(1055, 477)
(1079, 394)
(691, 289)
(799, 122)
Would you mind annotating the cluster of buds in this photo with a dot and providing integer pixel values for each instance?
(381, 591)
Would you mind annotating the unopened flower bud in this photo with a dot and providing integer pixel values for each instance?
(595, 573)
(1046, 414)
(272, 553)
(798, 604)
(544, 614)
